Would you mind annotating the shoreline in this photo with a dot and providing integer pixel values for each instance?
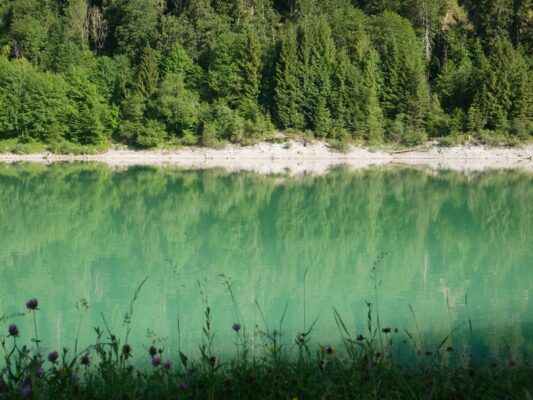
(300, 157)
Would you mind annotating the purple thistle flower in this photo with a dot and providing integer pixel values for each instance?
(53, 356)
(13, 330)
(85, 360)
(167, 365)
(32, 304)
(360, 338)
(25, 391)
(236, 327)
(156, 361)
(183, 385)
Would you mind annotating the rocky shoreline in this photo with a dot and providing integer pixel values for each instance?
(300, 157)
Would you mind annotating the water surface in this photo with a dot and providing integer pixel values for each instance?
(86, 231)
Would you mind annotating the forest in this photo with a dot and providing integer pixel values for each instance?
(146, 73)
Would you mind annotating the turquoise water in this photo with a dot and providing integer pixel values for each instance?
(447, 239)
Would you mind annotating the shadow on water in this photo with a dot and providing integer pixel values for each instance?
(86, 231)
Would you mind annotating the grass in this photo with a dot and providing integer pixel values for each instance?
(365, 366)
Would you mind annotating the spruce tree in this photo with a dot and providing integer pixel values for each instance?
(148, 75)
(505, 91)
(288, 87)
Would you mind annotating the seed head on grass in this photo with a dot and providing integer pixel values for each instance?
(13, 330)
(236, 327)
(360, 338)
(32, 304)
(152, 351)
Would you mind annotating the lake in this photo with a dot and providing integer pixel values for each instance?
(436, 253)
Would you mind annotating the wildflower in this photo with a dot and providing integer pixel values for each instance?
(183, 385)
(39, 372)
(330, 351)
(13, 330)
(126, 350)
(360, 338)
(85, 360)
(236, 327)
(156, 361)
(25, 391)
(386, 330)
(152, 351)
(53, 356)
(167, 365)
(32, 304)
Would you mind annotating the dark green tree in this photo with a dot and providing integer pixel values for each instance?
(288, 92)
(148, 75)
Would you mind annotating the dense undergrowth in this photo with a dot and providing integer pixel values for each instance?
(365, 366)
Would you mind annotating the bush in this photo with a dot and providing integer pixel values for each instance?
(145, 134)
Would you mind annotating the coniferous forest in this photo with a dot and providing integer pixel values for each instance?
(204, 72)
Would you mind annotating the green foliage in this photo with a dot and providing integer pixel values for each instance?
(91, 120)
(339, 68)
(148, 75)
(146, 133)
(176, 106)
(33, 104)
(288, 93)
(505, 92)
(404, 89)
(178, 61)
(134, 26)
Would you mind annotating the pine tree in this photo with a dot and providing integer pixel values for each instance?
(288, 90)
(250, 65)
(148, 75)
(317, 58)
(505, 90)
(405, 88)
